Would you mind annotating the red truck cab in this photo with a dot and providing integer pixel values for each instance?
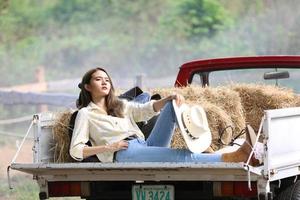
(203, 69)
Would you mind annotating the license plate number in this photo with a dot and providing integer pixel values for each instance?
(152, 192)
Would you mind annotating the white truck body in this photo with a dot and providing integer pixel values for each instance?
(280, 130)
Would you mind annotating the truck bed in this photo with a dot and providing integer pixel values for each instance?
(281, 160)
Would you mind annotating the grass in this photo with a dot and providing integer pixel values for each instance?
(24, 188)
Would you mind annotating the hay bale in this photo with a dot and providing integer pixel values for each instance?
(218, 120)
(257, 98)
(223, 108)
(230, 102)
(61, 137)
(177, 140)
(297, 100)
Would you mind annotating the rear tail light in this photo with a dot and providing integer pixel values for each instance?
(61, 188)
(234, 189)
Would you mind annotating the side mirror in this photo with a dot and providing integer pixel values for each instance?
(276, 75)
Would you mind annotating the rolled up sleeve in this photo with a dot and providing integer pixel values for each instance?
(141, 112)
(80, 135)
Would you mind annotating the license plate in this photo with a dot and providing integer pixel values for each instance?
(152, 192)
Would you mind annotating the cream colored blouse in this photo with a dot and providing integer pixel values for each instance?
(93, 124)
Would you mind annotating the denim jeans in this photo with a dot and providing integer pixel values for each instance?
(157, 147)
(142, 98)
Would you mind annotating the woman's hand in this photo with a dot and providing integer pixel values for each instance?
(159, 104)
(178, 98)
(93, 150)
(116, 146)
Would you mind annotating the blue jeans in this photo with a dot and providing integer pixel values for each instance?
(142, 98)
(157, 147)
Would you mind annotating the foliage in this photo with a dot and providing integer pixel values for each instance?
(202, 18)
(24, 188)
(139, 36)
(3, 5)
(67, 37)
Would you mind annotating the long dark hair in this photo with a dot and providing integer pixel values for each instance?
(114, 105)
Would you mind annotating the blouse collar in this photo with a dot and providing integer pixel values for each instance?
(93, 106)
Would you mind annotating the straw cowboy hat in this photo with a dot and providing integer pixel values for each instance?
(194, 127)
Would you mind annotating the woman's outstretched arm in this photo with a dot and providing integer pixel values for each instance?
(159, 104)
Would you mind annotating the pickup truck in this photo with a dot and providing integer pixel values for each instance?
(275, 179)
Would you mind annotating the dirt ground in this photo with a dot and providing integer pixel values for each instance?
(8, 151)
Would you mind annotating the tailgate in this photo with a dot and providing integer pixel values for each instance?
(282, 131)
(140, 171)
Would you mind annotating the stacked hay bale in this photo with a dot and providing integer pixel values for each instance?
(61, 137)
(230, 107)
(297, 100)
(257, 98)
(223, 108)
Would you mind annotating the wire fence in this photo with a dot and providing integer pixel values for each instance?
(16, 120)
(10, 134)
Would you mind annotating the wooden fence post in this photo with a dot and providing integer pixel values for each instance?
(40, 78)
(139, 80)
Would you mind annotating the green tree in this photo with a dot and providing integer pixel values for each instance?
(197, 19)
(3, 5)
(203, 18)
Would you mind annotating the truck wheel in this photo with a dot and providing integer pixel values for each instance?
(292, 192)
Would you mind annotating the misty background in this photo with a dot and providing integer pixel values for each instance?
(130, 37)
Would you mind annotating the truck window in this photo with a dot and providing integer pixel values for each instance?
(196, 79)
(222, 77)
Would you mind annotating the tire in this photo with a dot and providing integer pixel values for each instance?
(292, 192)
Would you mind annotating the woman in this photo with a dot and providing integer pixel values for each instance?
(109, 124)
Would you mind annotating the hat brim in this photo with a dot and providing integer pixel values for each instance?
(195, 145)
